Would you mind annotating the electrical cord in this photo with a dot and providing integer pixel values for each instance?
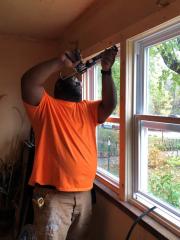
(138, 220)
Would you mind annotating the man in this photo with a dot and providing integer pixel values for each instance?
(66, 156)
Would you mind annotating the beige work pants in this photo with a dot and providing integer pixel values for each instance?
(64, 215)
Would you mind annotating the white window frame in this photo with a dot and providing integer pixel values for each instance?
(135, 79)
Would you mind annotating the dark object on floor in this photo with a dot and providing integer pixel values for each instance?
(27, 233)
(7, 217)
(25, 214)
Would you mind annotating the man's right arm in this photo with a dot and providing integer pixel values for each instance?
(33, 80)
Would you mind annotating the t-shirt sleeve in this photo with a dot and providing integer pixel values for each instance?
(34, 112)
(93, 110)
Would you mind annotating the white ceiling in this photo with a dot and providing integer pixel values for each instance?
(40, 19)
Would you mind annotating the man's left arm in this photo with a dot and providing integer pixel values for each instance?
(109, 95)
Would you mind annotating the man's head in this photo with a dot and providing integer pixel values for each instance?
(68, 89)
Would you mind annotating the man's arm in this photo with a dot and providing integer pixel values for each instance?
(33, 80)
(109, 96)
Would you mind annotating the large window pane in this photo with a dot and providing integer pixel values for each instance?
(108, 147)
(160, 162)
(163, 78)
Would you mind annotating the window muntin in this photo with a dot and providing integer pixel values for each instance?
(156, 111)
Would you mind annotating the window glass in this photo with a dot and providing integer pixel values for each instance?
(108, 147)
(163, 77)
(160, 161)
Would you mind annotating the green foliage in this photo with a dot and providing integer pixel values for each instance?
(164, 186)
(164, 78)
(168, 51)
(173, 161)
(164, 182)
(165, 144)
(168, 146)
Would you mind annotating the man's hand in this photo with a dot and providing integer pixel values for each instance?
(108, 58)
(71, 58)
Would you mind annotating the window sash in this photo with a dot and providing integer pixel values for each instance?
(154, 122)
(89, 93)
(141, 62)
(139, 49)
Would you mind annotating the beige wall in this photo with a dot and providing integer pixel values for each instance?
(110, 223)
(17, 55)
(104, 25)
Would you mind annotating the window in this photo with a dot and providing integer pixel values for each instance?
(157, 121)
(108, 132)
(148, 154)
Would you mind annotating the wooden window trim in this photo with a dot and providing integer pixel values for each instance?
(154, 118)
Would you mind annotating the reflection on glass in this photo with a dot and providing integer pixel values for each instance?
(160, 173)
(108, 147)
(163, 78)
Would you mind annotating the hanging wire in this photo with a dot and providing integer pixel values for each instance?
(138, 220)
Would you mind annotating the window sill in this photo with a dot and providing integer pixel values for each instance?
(160, 214)
(147, 222)
(108, 180)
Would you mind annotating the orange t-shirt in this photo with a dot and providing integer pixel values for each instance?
(66, 154)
